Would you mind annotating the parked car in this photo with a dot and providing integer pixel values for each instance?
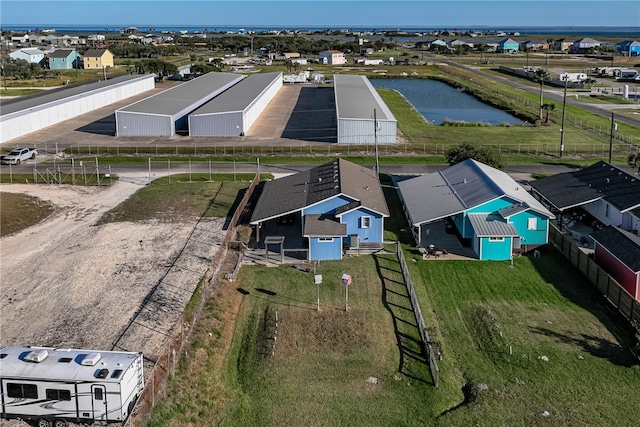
(18, 155)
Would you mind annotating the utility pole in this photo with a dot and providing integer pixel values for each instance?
(564, 111)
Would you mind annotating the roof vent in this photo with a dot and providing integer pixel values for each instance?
(319, 179)
(36, 356)
(91, 359)
(608, 180)
(464, 181)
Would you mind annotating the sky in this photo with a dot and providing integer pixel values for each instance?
(323, 13)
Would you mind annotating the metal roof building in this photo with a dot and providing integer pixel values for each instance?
(363, 117)
(234, 111)
(34, 113)
(162, 114)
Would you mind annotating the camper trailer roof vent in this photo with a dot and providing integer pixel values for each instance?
(91, 359)
(36, 356)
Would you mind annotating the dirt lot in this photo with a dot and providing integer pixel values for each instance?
(69, 283)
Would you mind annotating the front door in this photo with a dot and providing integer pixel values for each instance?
(99, 393)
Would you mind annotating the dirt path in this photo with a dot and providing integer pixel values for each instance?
(69, 283)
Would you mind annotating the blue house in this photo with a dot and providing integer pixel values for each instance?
(508, 45)
(629, 48)
(64, 59)
(323, 211)
(490, 211)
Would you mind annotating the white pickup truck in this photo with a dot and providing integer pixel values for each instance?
(18, 155)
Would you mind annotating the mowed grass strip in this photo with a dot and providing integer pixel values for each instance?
(19, 211)
(182, 196)
(537, 335)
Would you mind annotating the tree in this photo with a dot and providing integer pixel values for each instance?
(548, 107)
(481, 153)
(541, 75)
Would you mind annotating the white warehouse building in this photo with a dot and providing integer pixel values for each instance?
(164, 113)
(25, 116)
(363, 117)
(233, 112)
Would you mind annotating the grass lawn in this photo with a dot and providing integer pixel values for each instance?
(174, 198)
(19, 211)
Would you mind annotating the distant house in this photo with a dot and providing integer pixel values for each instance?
(584, 45)
(533, 45)
(490, 211)
(458, 42)
(562, 45)
(508, 45)
(618, 253)
(629, 48)
(607, 193)
(97, 59)
(20, 38)
(325, 210)
(332, 57)
(31, 55)
(64, 59)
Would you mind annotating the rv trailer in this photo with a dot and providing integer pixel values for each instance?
(55, 386)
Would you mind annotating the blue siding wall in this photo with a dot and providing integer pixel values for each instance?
(373, 234)
(327, 206)
(321, 251)
(495, 250)
(531, 237)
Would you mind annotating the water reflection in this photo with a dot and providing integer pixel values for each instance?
(437, 102)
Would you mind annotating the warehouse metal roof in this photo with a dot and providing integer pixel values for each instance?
(193, 93)
(54, 95)
(356, 98)
(240, 96)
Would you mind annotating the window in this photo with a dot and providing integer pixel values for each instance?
(325, 239)
(496, 239)
(365, 222)
(532, 223)
(97, 393)
(54, 394)
(22, 391)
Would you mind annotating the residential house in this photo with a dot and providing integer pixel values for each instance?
(324, 210)
(508, 45)
(64, 59)
(457, 42)
(489, 211)
(605, 192)
(584, 45)
(628, 48)
(618, 253)
(332, 57)
(97, 59)
(562, 45)
(30, 54)
(533, 45)
(20, 38)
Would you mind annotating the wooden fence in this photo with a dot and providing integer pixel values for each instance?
(165, 365)
(426, 341)
(606, 285)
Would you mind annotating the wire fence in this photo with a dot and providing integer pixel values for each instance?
(431, 353)
(165, 364)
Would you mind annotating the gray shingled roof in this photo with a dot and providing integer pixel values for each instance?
(458, 188)
(54, 95)
(316, 225)
(356, 98)
(621, 244)
(295, 192)
(598, 181)
(492, 226)
(191, 94)
(60, 53)
(240, 96)
(94, 53)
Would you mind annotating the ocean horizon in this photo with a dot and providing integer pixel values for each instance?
(586, 31)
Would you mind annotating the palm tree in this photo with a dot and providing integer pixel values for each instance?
(541, 75)
(548, 107)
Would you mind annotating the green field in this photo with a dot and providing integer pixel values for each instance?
(19, 211)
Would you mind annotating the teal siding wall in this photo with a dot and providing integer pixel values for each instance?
(497, 251)
(539, 235)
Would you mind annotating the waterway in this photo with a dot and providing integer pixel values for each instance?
(438, 102)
